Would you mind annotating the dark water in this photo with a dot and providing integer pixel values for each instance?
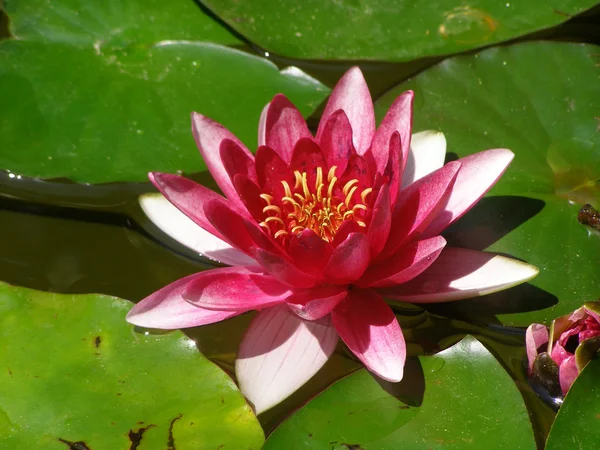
(64, 237)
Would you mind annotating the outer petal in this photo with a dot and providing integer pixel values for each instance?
(187, 196)
(370, 330)
(181, 228)
(235, 289)
(262, 126)
(398, 119)
(284, 126)
(459, 273)
(418, 205)
(349, 260)
(168, 310)
(230, 225)
(535, 336)
(427, 153)
(284, 270)
(406, 264)
(478, 173)
(236, 160)
(209, 135)
(279, 353)
(381, 222)
(351, 94)
(567, 372)
(312, 304)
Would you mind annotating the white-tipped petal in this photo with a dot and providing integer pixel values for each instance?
(279, 353)
(181, 228)
(427, 153)
(459, 273)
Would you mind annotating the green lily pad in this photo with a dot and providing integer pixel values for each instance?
(73, 371)
(384, 30)
(541, 101)
(576, 425)
(469, 402)
(100, 92)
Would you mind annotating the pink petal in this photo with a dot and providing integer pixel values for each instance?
(166, 309)
(284, 126)
(418, 205)
(234, 289)
(187, 196)
(393, 170)
(370, 330)
(262, 126)
(230, 224)
(336, 141)
(478, 173)
(237, 160)
(351, 94)
(181, 228)
(209, 135)
(559, 354)
(271, 170)
(406, 264)
(314, 303)
(309, 252)
(349, 260)
(284, 269)
(249, 194)
(346, 228)
(398, 119)
(307, 157)
(567, 372)
(459, 273)
(381, 222)
(279, 353)
(535, 336)
(358, 168)
(427, 153)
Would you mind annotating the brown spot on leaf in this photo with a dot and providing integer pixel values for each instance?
(136, 436)
(171, 440)
(97, 341)
(561, 13)
(79, 445)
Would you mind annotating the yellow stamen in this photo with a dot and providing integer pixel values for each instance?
(349, 196)
(274, 219)
(286, 188)
(321, 206)
(280, 233)
(276, 209)
(331, 186)
(319, 181)
(267, 198)
(298, 177)
(363, 195)
(331, 173)
(348, 185)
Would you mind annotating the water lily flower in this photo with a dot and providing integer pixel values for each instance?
(557, 357)
(317, 231)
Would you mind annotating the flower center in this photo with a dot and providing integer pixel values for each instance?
(322, 209)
